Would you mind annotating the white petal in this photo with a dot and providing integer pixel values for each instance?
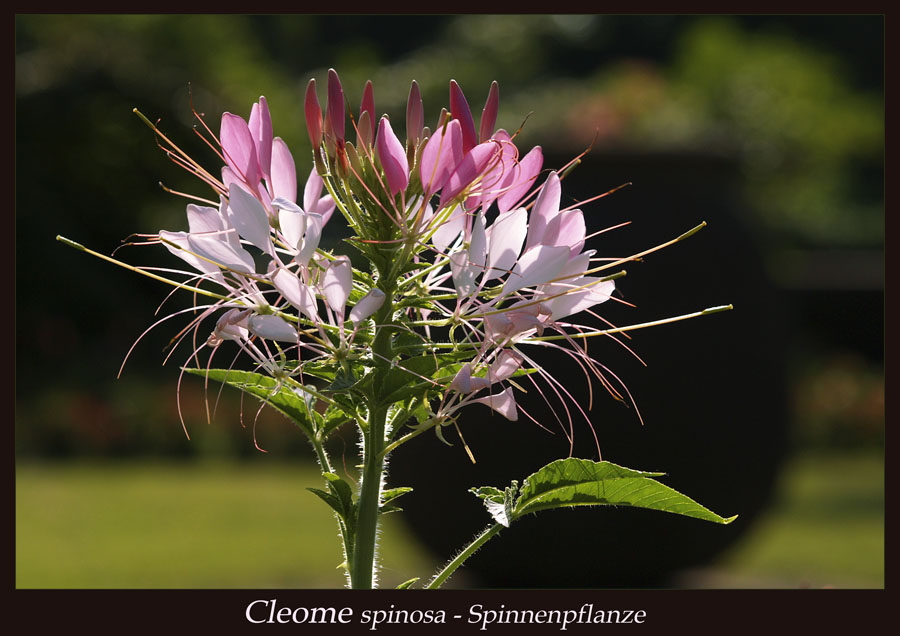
(506, 236)
(578, 299)
(536, 266)
(202, 218)
(295, 292)
(463, 273)
(449, 229)
(249, 218)
(337, 283)
(545, 208)
(293, 225)
(311, 239)
(181, 240)
(504, 403)
(367, 305)
(273, 328)
(220, 251)
(478, 244)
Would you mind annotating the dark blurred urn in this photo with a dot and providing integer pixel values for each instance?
(712, 396)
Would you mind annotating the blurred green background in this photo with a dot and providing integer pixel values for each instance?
(780, 117)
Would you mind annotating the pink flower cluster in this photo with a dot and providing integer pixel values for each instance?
(493, 251)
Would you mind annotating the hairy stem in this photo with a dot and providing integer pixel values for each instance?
(470, 549)
(362, 566)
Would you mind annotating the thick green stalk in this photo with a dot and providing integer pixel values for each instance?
(362, 566)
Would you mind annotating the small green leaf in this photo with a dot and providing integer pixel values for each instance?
(285, 399)
(407, 584)
(392, 493)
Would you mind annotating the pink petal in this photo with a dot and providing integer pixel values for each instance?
(260, 125)
(504, 403)
(238, 148)
(491, 185)
(473, 165)
(545, 208)
(519, 181)
(459, 108)
(566, 228)
(284, 172)
(489, 114)
(393, 157)
(337, 283)
(441, 155)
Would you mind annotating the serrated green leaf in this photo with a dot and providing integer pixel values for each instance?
(285, 400)
(341, 489)
(579, 482)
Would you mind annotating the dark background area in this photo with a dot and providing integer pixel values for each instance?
(770, 128)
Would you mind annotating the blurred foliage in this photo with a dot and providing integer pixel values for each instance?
(797, 101)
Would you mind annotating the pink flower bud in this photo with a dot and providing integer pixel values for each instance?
(459, 108)
(392, 156)
(335, 114)
(367, 106)
(415, 116)
(313, 114)
(489, 114)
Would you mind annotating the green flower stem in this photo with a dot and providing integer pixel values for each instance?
(470, 549)
(362, 565)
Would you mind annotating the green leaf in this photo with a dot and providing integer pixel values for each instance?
(342, 490)
(407, 584)
(579, 482)
(286, 400)
(334, 502)
(393, 493)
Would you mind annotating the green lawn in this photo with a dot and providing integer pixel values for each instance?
(146, 525)
(253, 525)
(825, 529)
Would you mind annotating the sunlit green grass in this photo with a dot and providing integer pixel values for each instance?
(825, 529)
(253, 525)
(146, 525)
